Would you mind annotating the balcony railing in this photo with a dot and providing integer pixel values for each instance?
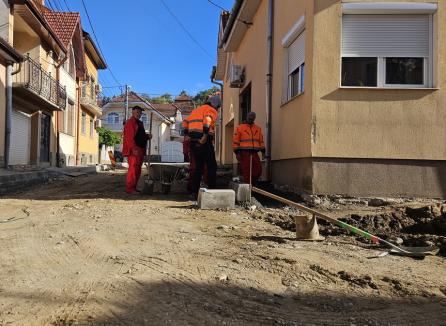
(89, 94)
(34, 78)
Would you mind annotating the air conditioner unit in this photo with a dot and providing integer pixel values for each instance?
(98, 88)
(97, 124)
(237, 76)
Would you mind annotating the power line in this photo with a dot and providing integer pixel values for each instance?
(185, 29)
(216, 5)
(97, 41)
(66, 5)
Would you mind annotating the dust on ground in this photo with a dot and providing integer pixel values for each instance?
(81, 252)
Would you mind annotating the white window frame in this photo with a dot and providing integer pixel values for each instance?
(396, 9)
(293, 34)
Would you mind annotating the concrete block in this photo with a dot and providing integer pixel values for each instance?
(242, 191)
(216, 198)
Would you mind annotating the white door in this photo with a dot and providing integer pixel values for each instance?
(19, 152)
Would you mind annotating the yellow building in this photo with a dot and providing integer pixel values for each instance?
(89, 113)
(36, 92)
(349, 92)
(8, 56)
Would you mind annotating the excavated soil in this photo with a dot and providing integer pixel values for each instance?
(414, 223)
(81, 252)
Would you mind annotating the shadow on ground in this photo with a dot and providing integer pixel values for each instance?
(184, 302)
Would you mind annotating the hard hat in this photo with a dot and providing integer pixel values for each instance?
(214, 101)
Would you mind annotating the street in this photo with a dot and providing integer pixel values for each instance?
(82, 252)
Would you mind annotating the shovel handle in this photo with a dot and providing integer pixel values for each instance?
(351, 228)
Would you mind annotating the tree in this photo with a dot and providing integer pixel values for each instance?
(107, 137)
(163, 99)
(202, 96)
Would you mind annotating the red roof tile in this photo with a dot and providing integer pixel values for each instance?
(168, 109)
(63, 23)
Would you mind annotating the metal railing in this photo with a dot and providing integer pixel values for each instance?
(33, 77)
(88, 93)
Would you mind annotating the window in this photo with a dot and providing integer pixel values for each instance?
(294, 61)
(113, 118)
(245, 103)
(91, 128)
(386, 50)
(83, 123)
(144, 118)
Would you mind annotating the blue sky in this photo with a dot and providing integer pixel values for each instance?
(147, 49)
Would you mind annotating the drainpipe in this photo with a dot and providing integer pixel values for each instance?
(220, 149)
(269, 87)
(8, 113)
(78, 94)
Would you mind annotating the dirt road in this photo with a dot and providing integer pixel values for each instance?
(80, 252)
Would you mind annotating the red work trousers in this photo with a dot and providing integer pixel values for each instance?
(245, 162)
(192, 169)
(134, 172)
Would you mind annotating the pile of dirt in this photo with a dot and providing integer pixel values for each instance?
(414, 226)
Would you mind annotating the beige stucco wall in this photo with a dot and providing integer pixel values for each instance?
(251, 54)
(291, 122)
(375, 123)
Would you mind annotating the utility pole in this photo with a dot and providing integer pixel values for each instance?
(126, 102)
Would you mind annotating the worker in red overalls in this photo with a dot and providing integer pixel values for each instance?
(246, 143)
(134, 148)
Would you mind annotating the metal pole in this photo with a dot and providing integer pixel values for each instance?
(126, 102)
(269, 87)
(8, 117)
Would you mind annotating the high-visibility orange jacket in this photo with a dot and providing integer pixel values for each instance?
(248, 137)
(201, 121)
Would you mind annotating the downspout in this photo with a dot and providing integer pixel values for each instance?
(8, 113)
(269, 87)
(57, 66)
(78, 111)
(220, 149)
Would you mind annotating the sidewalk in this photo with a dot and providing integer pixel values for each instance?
(15, 180)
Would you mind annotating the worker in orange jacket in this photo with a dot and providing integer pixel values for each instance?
(200, 131)
(189, 158)
(134, 148)
(246, 143)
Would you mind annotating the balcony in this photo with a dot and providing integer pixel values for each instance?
(38, 87)
(115, 127)
(89, 98)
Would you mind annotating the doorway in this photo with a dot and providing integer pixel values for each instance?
(245, 103)
(45, 133)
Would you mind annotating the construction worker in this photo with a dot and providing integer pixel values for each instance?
(134, 148)
(200, 131)
(246, 143)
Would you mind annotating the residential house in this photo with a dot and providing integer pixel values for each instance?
(350, 94)
(67, 26)
(113, 118)
(90, 113)
(36, 94)
(8, 56)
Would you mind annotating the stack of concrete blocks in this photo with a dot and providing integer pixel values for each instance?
(216, 198)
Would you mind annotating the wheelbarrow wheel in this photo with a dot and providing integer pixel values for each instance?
(165, 188)
(148, 187)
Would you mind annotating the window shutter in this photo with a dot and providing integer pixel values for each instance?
(385, 35)
(296, 53)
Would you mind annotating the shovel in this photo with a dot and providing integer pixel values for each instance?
(397, 250)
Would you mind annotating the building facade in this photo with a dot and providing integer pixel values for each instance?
(349, 92)
(113, 118)
(89, 113)
(36, 92)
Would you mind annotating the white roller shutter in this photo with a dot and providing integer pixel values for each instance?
(296, 53)
(19, 152)
(385, 35)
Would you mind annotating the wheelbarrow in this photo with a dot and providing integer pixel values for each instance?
(164, 174)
